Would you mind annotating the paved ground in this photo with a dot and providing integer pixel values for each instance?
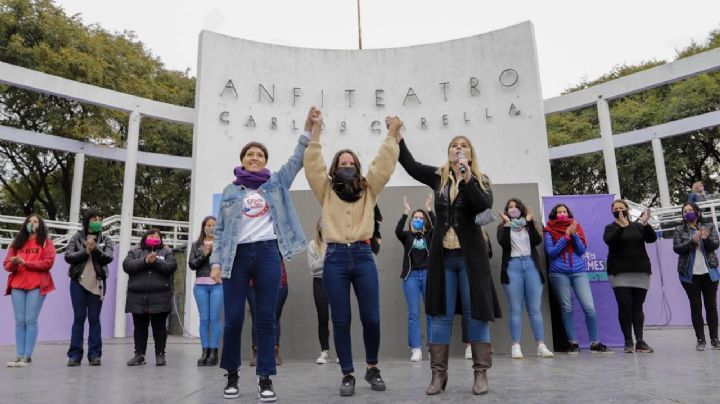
(675, 373)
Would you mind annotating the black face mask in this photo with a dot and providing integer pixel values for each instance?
(346, 173)
(617, 213)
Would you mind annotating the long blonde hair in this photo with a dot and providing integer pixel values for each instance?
(319, 243)
(474, 167)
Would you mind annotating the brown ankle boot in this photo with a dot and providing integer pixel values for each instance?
(482, 361)
(439, 366)
(253, 361)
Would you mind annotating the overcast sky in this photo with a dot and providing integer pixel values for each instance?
(575, 39)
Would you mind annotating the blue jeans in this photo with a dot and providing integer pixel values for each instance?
(414, 288)
(27, 305)
(564, 284)
(525, 289)
(85, 305)
(345, 265)
(259, 261)
(282, 297)
(209, 299)
(441, 325)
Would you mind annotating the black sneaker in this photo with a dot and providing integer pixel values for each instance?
(347, 387)
(599, 347)
(715, 343)
(700, 346)
(231, 388)
(95, 361)
(73, 363)
(629, 347)
(643, 347)
(160, 359)
(137, 360)
(372, 376)
(573, 348)
(266, 394)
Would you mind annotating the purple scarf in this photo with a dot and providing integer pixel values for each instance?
(249, 179)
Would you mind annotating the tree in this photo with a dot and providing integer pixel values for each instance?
(37, 34)
(688, 158)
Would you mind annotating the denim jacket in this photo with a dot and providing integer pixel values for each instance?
(685, 248)
(291, 237)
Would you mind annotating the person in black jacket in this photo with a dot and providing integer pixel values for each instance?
(628, 268)
(150, 267)
(416, 242)
(520, 273)
(208, 293)
(458, 256)
(88, 252)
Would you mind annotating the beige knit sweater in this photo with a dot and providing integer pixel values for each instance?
(348, 222)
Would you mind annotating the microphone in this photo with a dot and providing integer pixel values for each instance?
(461, 156)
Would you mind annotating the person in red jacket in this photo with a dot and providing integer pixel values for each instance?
(29, 260)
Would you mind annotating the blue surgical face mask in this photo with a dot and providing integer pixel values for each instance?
(30, 228)
(417, 224)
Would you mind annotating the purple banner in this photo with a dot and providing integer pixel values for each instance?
(593, 213)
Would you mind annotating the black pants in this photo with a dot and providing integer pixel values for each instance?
(323, 313)
(703, 289)
(141, 323)
(630, 311)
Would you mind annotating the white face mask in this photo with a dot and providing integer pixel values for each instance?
(209, 232)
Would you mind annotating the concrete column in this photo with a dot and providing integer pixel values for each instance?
(126, 215)
(78, 171)
(611, 171)
(660, 173)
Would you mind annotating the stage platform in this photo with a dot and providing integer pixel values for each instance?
(675, 373)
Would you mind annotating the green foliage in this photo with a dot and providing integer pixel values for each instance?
(37, 34)
(688, 158)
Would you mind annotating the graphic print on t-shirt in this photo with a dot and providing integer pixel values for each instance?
(254, 205)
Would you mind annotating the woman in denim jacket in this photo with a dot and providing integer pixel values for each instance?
(693, 240)
(257, 226)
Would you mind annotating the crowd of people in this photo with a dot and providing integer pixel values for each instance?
(239, 255)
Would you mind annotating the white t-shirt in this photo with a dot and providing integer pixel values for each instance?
(519, 243)
(699, 266)
(256, 221)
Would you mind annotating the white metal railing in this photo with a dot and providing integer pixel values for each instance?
(665, 219)
(175, 233)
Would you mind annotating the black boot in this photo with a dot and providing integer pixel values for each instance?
(204, 357)
(212, 359)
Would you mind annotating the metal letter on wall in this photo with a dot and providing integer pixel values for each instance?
(250, 122)
(296, 94)
(473, 86)
(423, 123)
(445, 120)
(487, 114)
(350, 97)
(467, 121)
(379, 98)
(273, 123)
(225, 117)
(343, 126)
(229, 86)
(375, 126)
(261, 89)
(411, 93)
(444, 85)
(509, 77)
(514, 111)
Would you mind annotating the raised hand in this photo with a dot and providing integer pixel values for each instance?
(506, 219)
(529, 214)
(406, 205)
(704, 233)
(622, 218)
(315, 116)
(429, 202)
(645, 217)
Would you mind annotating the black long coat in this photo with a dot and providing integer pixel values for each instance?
(150, 286)
(460, 214)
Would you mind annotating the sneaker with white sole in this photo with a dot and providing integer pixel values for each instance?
(14, 363)
(416, 355)
(516, 352)
(231, 388)
(266, 394)
(468, 352)
(323, 358)
(544, 352)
